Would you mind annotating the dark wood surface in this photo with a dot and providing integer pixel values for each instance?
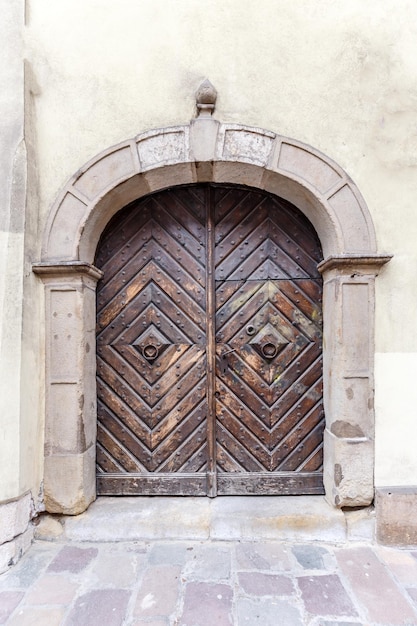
(209, 346)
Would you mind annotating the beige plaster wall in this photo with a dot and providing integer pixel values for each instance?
(20, 415)
(396, 432)
(341, 76)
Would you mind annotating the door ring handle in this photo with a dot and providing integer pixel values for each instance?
(269, 350)
(150, 352)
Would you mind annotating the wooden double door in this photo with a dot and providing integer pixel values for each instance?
(209, 346)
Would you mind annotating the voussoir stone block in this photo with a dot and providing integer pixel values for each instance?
(111, 168)
(311, 168)
(247, 144)
(60, 242)
(203, 138)
(356, 231)
(163, 148)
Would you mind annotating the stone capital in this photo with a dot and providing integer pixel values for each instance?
(346, 264)
(69, 268)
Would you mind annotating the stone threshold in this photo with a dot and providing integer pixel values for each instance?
(225, 518)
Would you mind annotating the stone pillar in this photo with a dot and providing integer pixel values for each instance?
(19, 476)
(70, 428)
(348, 373)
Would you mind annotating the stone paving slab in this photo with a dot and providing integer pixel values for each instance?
(210, 583)
(374, 587)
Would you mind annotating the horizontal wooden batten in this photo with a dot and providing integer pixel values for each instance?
(152, 485)
(261, 484)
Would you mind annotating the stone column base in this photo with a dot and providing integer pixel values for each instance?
(348, 470)
(396, 519)
(16, 530)
(72, 476)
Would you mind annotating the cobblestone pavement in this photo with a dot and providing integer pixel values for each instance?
(208, 583)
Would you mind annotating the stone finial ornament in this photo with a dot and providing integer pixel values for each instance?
(205, 97)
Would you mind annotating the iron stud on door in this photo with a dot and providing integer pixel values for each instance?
(209, 367)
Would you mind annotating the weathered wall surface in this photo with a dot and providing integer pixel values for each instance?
(339, 76)
(21, 425)
(12, 199)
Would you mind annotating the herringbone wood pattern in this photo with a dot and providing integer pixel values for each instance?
(268, 325)
(151, 338)
(152, 328)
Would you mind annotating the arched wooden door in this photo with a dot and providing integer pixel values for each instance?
(209, 346)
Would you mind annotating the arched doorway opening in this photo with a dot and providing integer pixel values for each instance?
(206, 151)
(209, 343)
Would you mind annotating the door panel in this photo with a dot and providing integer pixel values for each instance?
(209, 346)
(151, 363)
(268, 343)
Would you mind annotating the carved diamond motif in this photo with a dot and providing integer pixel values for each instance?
(268, 342)
(150, 344)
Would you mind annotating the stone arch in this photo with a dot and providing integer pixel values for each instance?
(208, 151)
